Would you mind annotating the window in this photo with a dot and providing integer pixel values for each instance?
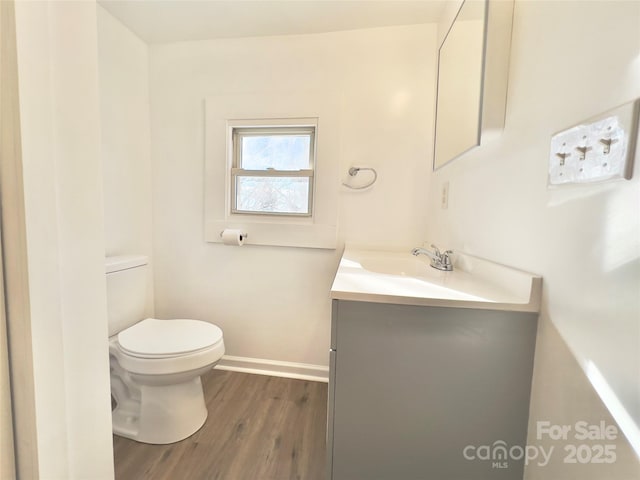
(272, 171)
(245, 177)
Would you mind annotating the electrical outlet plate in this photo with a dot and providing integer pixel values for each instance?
(601, 148)
(444, 196)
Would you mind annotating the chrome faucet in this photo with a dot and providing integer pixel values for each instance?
(440, 261)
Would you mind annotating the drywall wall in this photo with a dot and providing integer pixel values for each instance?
(123, 62)
(273, 302)
(126, 157)
(7, 452)
(22, 434)
(447, 16)
(62, 176)
(569, 61)
(13, 404)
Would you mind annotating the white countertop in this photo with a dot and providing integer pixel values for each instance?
(401, 278)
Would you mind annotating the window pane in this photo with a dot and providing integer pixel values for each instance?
(280, 152)
(272, 194)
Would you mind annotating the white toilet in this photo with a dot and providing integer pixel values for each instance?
(155, 364)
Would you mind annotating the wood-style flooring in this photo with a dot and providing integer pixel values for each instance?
(258, 428)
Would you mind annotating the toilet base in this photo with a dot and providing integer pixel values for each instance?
(160, 414)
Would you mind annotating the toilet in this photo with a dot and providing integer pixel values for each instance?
(155, 364)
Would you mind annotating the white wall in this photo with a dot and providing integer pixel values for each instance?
(448, 14)
(569, 61)
(59, 111)
(123, 62)
(273, 303)
(7, 450)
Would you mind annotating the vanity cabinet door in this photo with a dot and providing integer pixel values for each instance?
(413, 386)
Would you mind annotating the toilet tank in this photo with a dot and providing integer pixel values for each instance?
(126, 290)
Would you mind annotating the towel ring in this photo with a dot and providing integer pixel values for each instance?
(353, 171)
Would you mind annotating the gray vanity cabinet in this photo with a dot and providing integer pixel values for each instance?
(412, 386)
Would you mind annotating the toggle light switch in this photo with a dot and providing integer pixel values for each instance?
(607, 144)
(583, 152)
(563, 157)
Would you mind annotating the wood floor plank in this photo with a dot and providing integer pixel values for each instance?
(258, 428)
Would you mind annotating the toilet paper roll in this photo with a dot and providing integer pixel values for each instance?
(231, 236)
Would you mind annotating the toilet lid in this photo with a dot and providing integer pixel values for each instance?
(162, 338)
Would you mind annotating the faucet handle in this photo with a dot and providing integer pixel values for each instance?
(436, 250)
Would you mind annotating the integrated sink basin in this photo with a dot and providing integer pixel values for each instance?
(401, 278)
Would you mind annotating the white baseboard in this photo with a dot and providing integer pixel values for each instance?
(275, 368)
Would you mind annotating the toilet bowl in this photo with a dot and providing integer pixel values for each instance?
(155, 378)
(155, 364)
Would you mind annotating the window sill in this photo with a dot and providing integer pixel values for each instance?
(277, 234)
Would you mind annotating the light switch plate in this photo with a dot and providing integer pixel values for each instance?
(599, 149)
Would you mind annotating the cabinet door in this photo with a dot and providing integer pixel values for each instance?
(414, 386)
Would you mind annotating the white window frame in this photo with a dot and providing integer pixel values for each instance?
(240, 131)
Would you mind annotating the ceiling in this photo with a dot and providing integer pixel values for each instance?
(165, 21)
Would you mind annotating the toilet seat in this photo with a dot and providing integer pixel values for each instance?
(153, 338)
(167, 347)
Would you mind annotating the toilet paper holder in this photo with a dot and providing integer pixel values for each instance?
(244, 234)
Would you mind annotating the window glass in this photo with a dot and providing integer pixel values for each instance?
(272, 195)
(280, 152)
